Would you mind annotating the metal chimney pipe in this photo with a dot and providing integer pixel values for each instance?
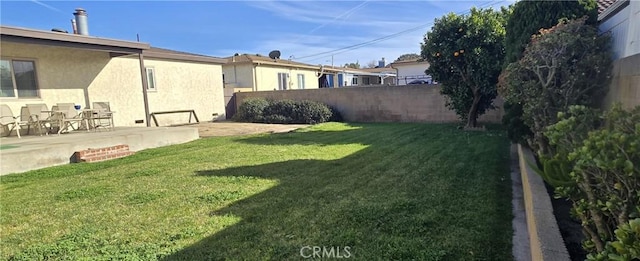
(81, 19)
(74, 26)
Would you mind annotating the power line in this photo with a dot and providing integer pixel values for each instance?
(357, 46)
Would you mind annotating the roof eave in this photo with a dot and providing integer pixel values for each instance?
(612, 10)
(311, 67)
(183, 57)
(394, 64)
(22, 35)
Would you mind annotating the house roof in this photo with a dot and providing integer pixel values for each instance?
(24, 35)
(119, 47)
(379, 70)
(336, 69)
(155, 52)
(341, 69)
(604, 4)
(409, 62)
(608, 8)
(259, 59)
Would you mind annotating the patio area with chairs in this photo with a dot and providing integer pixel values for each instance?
(34, 152)
(38, 119)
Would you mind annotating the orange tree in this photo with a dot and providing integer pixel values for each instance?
(465, 54)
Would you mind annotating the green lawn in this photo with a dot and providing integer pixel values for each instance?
(385, 191)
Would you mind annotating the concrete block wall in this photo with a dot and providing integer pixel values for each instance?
(625, 84)
(405, 103)
(545, 239)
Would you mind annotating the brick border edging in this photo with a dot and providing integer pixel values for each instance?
(544, 234)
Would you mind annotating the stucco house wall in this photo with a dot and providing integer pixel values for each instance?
(185, 86)
(80, 76)
(347, 79)
(69, 75)
(624, 29)
(239, 75)
(409, 71)
(267, 77)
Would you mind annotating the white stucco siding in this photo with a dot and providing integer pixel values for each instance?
(185, 86)
(348, 79)
(238, 75)
(120, 84)
(70, 75)
(267, 78)
(409, 72)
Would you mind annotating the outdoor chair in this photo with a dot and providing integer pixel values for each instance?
(66, 114)
(10, 122)
(39, 116)
(102, 115)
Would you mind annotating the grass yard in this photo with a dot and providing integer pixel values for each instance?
(370, 191)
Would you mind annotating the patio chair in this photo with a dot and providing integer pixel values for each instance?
(10, 122)
(66, 115)
(102, 115)
(39, 116)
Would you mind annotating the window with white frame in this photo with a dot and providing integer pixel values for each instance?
(283, 81)
(18, 78)
(300, 81)
(354, 81)
(151, 78)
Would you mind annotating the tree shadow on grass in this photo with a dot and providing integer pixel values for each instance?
(402, 197)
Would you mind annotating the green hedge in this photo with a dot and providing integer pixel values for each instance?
(251, 110)
(596, 166)
(261, 110)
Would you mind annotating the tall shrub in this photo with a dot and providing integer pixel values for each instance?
(568, 64)
(527, 18)
(251, 110)
(604, 155)
(286, 111)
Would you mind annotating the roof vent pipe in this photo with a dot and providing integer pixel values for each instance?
(81, 19)
(74, 27)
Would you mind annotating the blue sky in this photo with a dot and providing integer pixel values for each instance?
(222, 28)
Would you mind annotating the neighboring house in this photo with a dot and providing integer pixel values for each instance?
(135, 78)
(261, 73)
(621, 19)
(410, 70)
(345, 76)
(382, 75)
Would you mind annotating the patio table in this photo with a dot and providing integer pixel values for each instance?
(87, 116)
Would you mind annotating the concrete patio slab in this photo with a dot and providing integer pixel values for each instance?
(35, 152)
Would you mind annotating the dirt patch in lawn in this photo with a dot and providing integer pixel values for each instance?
(229, 128)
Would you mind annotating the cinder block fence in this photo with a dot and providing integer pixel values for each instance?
(404, 103)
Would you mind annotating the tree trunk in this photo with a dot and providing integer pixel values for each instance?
(596, 215)
(472, 117)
